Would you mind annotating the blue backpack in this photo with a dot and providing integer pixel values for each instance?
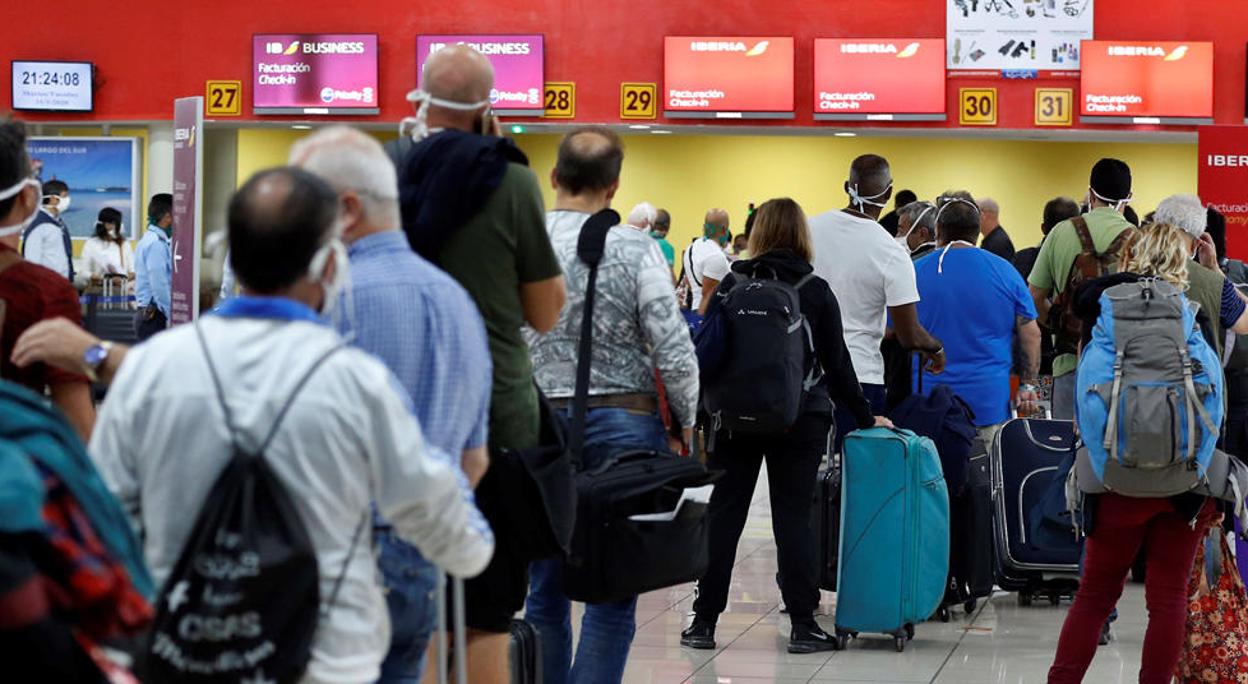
(1149, 393)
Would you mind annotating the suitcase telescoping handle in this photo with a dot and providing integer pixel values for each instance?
(460, 636)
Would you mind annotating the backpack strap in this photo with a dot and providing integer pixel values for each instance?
(1080, 225)
(589, 249)
(1119, 242)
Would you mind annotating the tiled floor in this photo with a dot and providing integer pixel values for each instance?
(1000, 643)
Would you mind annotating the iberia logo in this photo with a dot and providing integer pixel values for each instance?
(1179, 52)
(729, 46)
(276, 48)
(880, 49)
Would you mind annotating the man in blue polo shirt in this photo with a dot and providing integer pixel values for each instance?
(153, 268)
(976, 303)
(425, 328)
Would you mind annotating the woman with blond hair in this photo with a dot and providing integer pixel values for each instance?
(780, 247)
(1168, 528)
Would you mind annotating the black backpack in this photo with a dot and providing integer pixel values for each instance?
(768, 357)
(243, 600)
(948, 421)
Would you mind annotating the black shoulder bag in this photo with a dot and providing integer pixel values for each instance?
(616, 555)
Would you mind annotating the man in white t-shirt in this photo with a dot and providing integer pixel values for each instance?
(704, 262)
(873, 279)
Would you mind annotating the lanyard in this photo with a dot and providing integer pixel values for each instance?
(940, 265)
(272, 308)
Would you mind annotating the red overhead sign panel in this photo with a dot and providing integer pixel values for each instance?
(879, 78)
(728, 77)
(1125, 81)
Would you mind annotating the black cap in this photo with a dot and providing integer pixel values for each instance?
(1111, 180)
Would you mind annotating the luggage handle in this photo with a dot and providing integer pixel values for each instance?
(459, 625)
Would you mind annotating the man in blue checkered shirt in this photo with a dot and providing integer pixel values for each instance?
(427, 330)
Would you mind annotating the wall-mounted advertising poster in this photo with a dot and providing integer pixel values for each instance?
(1016, 35)
(100, 172)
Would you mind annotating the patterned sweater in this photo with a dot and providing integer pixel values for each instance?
(637, 325)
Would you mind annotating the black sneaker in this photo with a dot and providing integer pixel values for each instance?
(700, 635)
(1107, 635)
(810, 638)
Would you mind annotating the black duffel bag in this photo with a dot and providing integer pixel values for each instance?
(529, 495)
(614, 555)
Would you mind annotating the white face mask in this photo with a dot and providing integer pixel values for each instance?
(861, 201)
(62, 205)
(339, 287)
(417, 126)
(1116, 204)
(904, 240)
(11, 191)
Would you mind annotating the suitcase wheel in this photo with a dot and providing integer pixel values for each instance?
(910, 631)
(1055, 599)
(842, 638)
(971, 605)
(900, 644)
(943, 613)
(1024, 599)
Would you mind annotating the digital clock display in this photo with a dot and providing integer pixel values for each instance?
(52, 86)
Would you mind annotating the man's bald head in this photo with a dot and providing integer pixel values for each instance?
(717, 217)
(460, 74)
(277, 222)
(589, 161)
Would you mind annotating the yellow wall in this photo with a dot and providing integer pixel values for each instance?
(689, 174)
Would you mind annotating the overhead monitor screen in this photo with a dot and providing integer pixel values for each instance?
(519, 68)
(52, 86)
(728, 77)
(317, 73)
(1147, 82)
(879, 79)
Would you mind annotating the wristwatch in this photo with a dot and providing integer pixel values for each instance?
(94, 357)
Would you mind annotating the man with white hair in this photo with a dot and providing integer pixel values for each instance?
(1206, 284)
(996, 240)
(642, 217)
(426, 330)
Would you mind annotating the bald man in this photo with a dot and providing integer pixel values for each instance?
(996, 240)
(471, 205)
(704, 262)
(873, 278)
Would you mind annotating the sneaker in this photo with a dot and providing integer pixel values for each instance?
(810, 638)
(700, 635)
(1107, 635)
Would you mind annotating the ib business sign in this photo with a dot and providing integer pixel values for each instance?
(326, 73)
(1223, 181)
(519, 68)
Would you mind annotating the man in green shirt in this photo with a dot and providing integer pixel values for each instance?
(658, 231)
(1109, 190)
(472, 206)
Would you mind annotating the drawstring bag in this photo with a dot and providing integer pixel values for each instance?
(1217, 617)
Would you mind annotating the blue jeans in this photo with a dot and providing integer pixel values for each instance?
(845, 420)
(607, 628)
(411, 594)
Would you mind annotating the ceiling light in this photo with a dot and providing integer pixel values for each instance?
(845, 134)
(660, 132)
(639, 127)
(301, 127)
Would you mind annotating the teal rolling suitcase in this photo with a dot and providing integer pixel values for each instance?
(894, 534)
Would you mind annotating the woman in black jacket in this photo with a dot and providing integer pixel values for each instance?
(781, 247)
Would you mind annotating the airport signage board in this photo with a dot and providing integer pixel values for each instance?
(728, 77)
(188, 215)
(879, 79)
(52, 86)
(1222, 180)
(519, 63)
(1146, 82)
(314, 73)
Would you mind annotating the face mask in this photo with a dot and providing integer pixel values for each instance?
(714, 232)
(1116, 204)
(861, 201)
(417, 126)
(62, 206)
(904, 240)
(12, 191)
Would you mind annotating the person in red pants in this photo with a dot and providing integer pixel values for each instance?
(1170, 537)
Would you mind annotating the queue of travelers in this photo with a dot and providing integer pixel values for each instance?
(372, 376)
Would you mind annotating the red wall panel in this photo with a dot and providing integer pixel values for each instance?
(151, 51)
